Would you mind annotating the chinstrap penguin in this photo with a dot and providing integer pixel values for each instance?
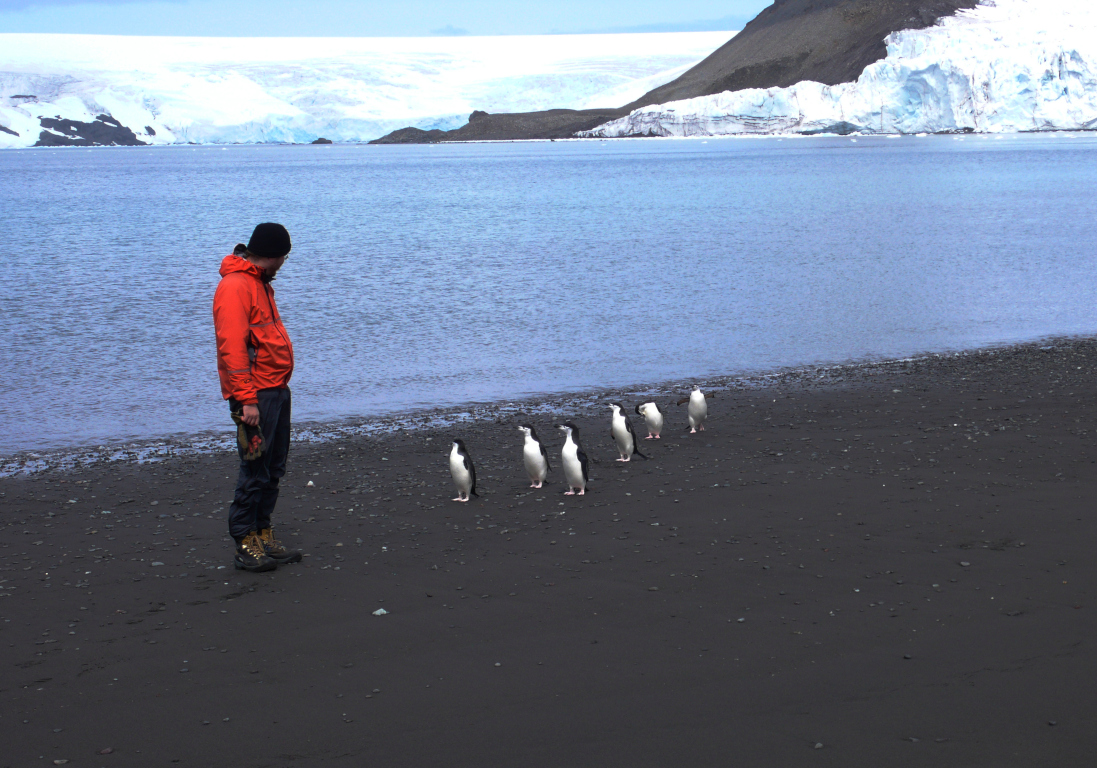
(534, 456)
(697, 410)
(463, 471)
(576, 467)
(653, 418)
(623, 435)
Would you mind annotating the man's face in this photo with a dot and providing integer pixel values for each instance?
(270, 267)
(274, 265)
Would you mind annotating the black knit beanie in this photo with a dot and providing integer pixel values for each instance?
(270, 241)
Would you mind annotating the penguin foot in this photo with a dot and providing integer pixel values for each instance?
(701, 428)
(692, 431)
(650, 437)
(622, 459)
(569, 492)
(657, 437)
(459, 499)
(582, 492)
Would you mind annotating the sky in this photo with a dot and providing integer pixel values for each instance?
(371, 18)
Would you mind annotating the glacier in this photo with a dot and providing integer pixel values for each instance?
(172, 90)
(1004, 66)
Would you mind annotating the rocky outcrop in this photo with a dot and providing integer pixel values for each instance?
(412, 136)
(552, 124)
(104, 131)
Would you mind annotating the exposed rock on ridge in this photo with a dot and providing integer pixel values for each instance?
(105, 131)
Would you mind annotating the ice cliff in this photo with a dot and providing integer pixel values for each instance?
(90, 89)
(1004, 66)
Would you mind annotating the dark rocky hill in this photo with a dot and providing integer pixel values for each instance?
(551, 124)
(829, 41)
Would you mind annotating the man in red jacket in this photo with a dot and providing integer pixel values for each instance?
(255, 362)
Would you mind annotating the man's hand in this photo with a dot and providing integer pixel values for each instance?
(251, 415)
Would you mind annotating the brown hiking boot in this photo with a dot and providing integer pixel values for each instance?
(274, 549)
(250, 556)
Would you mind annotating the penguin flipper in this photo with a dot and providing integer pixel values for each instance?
(709, 395)
(472, 471)
(632, 434)
(635, 442)
(683, 401)
(544, 455)
(584, 464)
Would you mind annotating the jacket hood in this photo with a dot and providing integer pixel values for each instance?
(233, 263)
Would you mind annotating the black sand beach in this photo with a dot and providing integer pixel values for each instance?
(878, 566)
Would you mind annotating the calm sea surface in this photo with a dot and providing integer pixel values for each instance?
(442, 275)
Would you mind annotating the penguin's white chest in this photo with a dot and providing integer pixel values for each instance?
(536, 466)
(461, 476)
(653, 418)
(621, 435)
(698, 408)
(573, 469)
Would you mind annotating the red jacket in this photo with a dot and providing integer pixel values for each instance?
(253, 349)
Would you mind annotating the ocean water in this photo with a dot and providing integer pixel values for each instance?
(427, 276)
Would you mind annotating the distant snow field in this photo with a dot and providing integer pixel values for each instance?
(225, 90)
(1004, 66)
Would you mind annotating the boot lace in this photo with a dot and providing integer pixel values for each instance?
(270, 543)
(253, 546)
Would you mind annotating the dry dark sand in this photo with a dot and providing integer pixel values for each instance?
(892, 562)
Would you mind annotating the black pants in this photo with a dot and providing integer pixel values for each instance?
(257, 484)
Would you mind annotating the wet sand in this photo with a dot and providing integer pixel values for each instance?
(873, 566)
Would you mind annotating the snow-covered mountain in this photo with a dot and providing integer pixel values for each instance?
(222, 90)
(1004, 66)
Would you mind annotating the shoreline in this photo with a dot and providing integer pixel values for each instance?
(584, 402)
(884, 566)
(698, 137)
